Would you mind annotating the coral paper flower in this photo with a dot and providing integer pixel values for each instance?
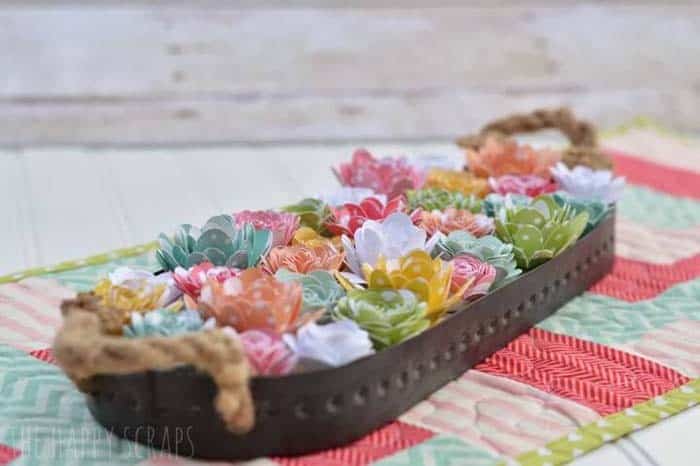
(191, 281)
(588, 185)
(497, 158)
(456, 180)
(347, 219)
(254, 300)
(390, 239)
(528, 185)
(303, 259)
(334, 344)
(267, 353)
(385, 176)
(429, 279)
(470, 269)
(454, 219)
(282, 225)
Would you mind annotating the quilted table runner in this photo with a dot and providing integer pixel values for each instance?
(621, 357)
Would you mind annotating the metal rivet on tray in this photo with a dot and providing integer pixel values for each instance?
(361, 396)
(382, 388)
(334, 404)
(300, 411)
(433, 364)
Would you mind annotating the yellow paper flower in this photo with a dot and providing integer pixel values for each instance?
(128, 300)
(428, 278)
(455, 180)
(309, 237)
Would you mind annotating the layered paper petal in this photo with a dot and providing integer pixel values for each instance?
(528, 185)
(472, 276)
(282, 225)
(586, 184)
(267, 353)
(457, 181)
(452, 219)
(507, 157)
(389, 176)
(303, 259)
(334, 344)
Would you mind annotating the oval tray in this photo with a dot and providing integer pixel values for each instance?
(301, 413)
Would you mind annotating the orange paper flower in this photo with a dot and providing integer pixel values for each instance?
(255, 300)
(457, 180)
(303, 259)
(452, 219)
(498, 158)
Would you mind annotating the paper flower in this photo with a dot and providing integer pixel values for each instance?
(529, 185)
(429, 279)
(267, 353)
(164, 323)
(254, 300)
(146, 282)
(190, 281)
(589, 185)
(312, 213)
(320, 289)
(390, 239)
(389, 316)
(219, 241)
(441, 199)
(334, 344)
(347, 219)
(507, 157)
(384, 176)
(348, 194)
(282, 225)
(456, 180)
(539, 231)
(303, 259)
(493, 202)
(472, 275)
(453, 219)
(487, 249)
(308, 237)
(597, 210)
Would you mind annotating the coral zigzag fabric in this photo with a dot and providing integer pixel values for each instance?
(605, 379)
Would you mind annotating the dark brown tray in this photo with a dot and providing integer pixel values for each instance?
(301, 413)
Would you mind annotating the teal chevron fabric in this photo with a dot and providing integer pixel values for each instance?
(607, 320)
(667, 212)
(43, 416)
(442, 450)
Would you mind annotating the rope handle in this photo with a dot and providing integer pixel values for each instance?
(581, 135)
(83, 349)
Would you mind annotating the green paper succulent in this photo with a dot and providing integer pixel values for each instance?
(320, 289)
(163, 322)
(597, 210)
(313, 213)
(389, 316)
(219, 241)
(540, 230)
(487, 249)
(441, 199)
(494, 201)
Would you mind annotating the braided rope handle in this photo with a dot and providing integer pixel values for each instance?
(581, 134)
(83, 350)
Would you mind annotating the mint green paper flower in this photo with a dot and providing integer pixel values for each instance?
(540, 230)
(163, 323)
(440, 199)
(389, 316)
(493, 202)
(313, 213)
(487, 249)
(597, 210)
(219, 241)
(320, 289)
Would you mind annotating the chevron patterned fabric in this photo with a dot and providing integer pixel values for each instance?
(622, 356)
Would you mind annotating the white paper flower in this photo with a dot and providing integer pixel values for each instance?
(584, 183)
(138, 278)
(335, 344)
(392, 238)
(444, 161)
(350, 194)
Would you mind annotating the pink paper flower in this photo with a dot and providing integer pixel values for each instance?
(348, 218)
(267, 353)
(385, 176)
(465, 268)
(281, 224)
(190, 281)
(452, 219)
(528, 185)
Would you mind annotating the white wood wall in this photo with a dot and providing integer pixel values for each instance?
(170, 73)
